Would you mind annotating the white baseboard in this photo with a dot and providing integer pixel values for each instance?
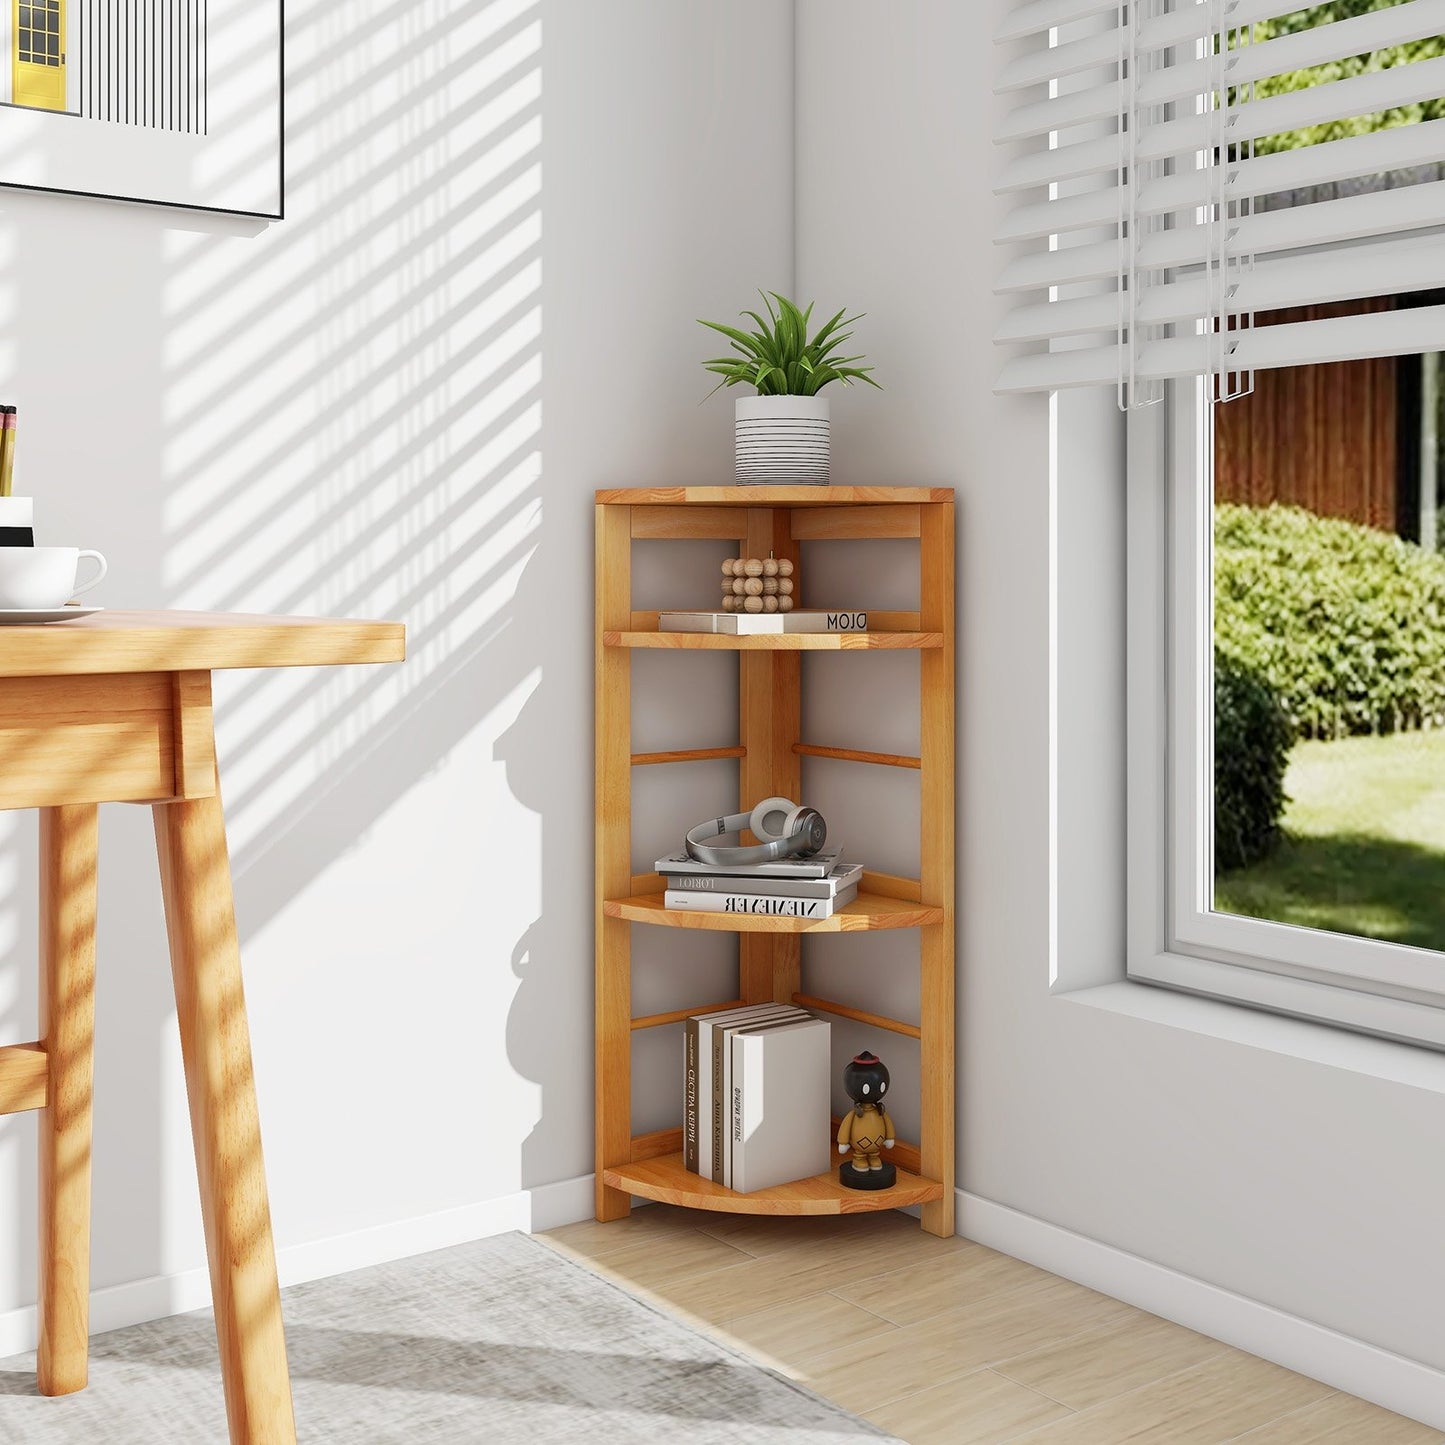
(529, 1210)
(1392, 1381)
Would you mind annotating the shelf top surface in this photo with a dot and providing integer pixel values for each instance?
(669, 1180)
(867, 913)
(776, 641)
(769, 496)
(112, 642)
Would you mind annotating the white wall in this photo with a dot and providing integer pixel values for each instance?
(503, 218)
(1255, 1154)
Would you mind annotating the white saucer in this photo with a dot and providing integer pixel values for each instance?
(27, 617)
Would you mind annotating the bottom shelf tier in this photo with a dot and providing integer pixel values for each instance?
(667, 1180)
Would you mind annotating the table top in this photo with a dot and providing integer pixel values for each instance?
(110, 642)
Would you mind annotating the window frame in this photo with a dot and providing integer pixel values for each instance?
(1175, 939)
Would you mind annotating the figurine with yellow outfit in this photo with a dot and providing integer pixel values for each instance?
(866, 1128)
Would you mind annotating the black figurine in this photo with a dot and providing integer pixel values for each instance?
(866, 1129)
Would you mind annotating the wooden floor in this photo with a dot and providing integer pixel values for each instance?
(944, 1342)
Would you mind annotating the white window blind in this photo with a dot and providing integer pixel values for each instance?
(1141, 243)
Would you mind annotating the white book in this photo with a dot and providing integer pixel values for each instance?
(782, 1123)
(843, 876)
(755, 624)
(820, 865)
(722, 1074)
(770, 905)
(704, 1081)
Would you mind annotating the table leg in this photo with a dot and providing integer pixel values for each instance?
(67, 1025)
(216, 1046)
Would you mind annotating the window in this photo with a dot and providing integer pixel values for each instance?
(1235, 214)
(1303, 784)
(1252, 547)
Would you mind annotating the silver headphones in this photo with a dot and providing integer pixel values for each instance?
(788, 831)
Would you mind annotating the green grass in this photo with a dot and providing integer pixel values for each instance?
(1364, 846)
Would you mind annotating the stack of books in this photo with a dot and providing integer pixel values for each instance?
(756, 1104)
(792, 888)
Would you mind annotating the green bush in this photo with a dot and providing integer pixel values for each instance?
(1346, 623)
(1252, 739)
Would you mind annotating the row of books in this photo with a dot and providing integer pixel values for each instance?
(756, 1096)
(793, 888)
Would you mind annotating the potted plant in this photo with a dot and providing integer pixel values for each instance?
(782, 435)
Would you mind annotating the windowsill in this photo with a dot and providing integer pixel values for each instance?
(1316, 1043)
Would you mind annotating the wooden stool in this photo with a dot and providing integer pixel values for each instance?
(117, 708)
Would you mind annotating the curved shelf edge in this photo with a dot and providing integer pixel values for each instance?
(867, 913)
(669, 1182)
(776, 641)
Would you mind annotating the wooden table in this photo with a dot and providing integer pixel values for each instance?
(117, 708)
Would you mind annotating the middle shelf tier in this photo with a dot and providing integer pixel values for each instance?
(777, 641)
(866, 913)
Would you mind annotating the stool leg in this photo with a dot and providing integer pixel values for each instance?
(216, 1047)
(67, 1026)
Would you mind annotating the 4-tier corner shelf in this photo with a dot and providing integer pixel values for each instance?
(770, 749)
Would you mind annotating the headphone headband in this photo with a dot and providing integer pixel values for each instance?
(802, 833)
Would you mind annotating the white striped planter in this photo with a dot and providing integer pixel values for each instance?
(781, 441)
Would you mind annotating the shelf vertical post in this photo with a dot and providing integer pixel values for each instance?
(613, 853)
(936, 592)
(769, 723)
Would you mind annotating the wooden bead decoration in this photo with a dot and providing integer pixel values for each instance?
(764, 581)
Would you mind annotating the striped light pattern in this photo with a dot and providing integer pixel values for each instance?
(1142, 240)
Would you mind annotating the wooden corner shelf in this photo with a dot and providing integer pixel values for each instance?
(865, 914)
(669, 1181)
(769, 752)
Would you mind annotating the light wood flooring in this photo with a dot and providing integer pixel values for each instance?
(944, 1342)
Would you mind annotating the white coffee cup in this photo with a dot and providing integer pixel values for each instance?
(35, 579)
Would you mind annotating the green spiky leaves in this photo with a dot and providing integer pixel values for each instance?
(779, 358)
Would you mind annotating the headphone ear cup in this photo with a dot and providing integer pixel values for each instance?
(772, 819)
(809, 826)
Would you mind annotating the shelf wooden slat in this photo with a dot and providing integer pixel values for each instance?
(865, 914)
(832, 524)
(24, 1078)
(677, 1015)
(768, 496)
(854, 755)
(668, 1181)
(858, 1015)
(686, 755)
(776, 641)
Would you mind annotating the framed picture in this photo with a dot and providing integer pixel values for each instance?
(174, 102)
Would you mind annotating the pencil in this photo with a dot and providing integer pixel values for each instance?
(7, 449)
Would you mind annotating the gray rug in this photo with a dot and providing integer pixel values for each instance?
(498, 1341)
